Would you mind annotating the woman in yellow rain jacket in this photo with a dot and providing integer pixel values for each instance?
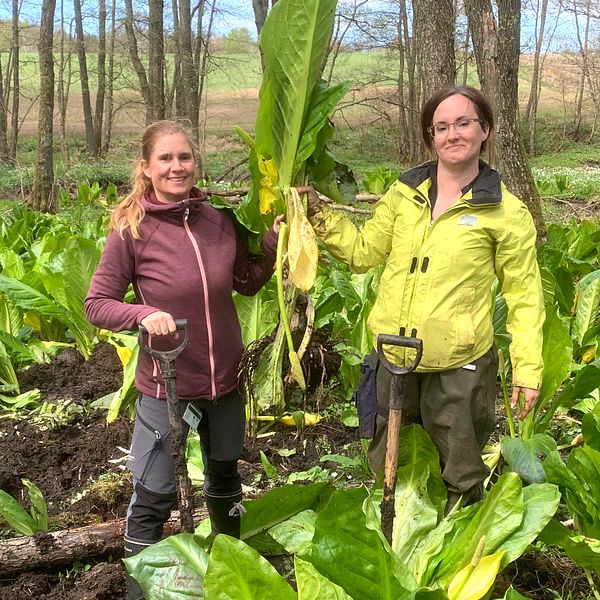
(446, 230)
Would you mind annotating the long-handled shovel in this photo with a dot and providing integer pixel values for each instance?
(397, 391)
(166, 361)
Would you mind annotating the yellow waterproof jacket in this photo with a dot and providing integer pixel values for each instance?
(438, 280)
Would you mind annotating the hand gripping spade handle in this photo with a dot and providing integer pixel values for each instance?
(166, 361)
(397, 392)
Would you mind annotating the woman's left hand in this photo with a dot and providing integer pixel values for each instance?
(530, 397)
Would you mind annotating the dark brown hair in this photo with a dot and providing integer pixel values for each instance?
(480, 102)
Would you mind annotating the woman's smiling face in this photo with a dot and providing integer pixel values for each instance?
(458, 146)
(171, 168)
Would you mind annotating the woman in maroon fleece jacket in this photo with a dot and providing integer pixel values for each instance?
(184, 259)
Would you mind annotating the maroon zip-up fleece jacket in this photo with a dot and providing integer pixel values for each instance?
(187, 262)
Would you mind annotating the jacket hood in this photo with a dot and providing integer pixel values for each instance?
(485, 189)
(152, 205)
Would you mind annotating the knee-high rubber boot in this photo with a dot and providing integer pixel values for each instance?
(225, 514)
(131, 548)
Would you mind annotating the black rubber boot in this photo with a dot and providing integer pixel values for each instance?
(131, 548)
(225, 514)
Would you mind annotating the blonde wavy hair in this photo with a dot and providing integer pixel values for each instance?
(130, 212)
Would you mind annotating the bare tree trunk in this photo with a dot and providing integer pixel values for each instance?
(484, 34)
(434, 27)
(109, 105)
(189, 68)
(411, 105)
(42, 196)
(201, 59)
(584, 50)
(136, 61)
(4, 155)
(101, 93)
(511, 152)
(16, 90)
(64, 84)
(534, 93)
(156, 59)
(90, 138)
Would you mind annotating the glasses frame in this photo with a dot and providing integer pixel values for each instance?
(469, 120)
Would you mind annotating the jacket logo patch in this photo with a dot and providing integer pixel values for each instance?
(468, 220)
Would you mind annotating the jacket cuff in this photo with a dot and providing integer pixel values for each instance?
(269, 242)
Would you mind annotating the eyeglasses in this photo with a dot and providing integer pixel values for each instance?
(461, 125)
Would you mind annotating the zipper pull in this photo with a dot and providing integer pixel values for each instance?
(186, 214)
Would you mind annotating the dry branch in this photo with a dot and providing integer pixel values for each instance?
(65, 546)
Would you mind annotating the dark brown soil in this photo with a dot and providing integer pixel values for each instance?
(66, 459)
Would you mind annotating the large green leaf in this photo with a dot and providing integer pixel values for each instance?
(16, 516)
(280, 504)
(237, 572)
(257, 314)
(351, 555)
(585, 382)
(295, 534)
(293, 57)
(540, 502)
(557, 355)
(172, 569)
(587, 312)
(497, 518)
(314, 586)
(525, 456)
(582, 550)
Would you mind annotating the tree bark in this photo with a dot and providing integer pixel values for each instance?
(156, 60)
(434, 23)
(81, 543)
(64, 84)
(135, 59)
(107, 122)
(4, 155)
(43, 194)
(90, 138)
(497, 50)
(511, 152)
(534, 93)
(16, 91)
(101, 93)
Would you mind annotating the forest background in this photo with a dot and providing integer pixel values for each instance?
(79, 81)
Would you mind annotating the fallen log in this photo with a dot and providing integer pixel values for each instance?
(65, 546)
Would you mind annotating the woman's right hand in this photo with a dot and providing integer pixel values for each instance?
(315, 204)
(159, 323)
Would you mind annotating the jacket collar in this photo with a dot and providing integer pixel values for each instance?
(485, 189)
(152, 205)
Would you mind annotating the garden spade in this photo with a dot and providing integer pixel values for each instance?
(166, 361)
(397, 391)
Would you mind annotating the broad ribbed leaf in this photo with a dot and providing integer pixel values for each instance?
(293, 56)
(540, 502)
(588, 304)
(342, 538)
(314, 586)
(497, 518)
(557, 355)
(525, 456)
(295, 534)
(257, 313)
(80, 259)
(590, 428)
(582, 550)
(237, 572)
(280, 504)
(172, 569)
(28, 298)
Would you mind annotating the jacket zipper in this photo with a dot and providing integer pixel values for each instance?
(209, 329)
